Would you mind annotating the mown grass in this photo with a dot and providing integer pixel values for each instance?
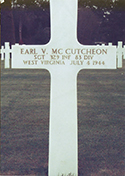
(25, 122)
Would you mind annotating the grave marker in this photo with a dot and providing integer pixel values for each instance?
(63, 57)
(2, 52)
(7, 53)
(120, 53)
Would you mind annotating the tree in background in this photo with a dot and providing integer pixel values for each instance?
(105, 17)
(112, 15)
(26, 7)
(107, 22)
(30, 3)
(29, 16)
(7, 23)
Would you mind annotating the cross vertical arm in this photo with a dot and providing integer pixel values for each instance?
(63, 154)
(64, 21)
(63, 141)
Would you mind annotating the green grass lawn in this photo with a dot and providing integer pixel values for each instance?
(25, 122)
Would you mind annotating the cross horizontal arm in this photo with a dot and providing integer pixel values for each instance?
(75, 58)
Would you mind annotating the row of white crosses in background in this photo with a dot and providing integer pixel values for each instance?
(6, 50)
(63, 135)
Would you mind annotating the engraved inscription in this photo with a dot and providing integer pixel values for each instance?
(61, 56)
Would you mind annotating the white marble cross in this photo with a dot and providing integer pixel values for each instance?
(63, 57)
